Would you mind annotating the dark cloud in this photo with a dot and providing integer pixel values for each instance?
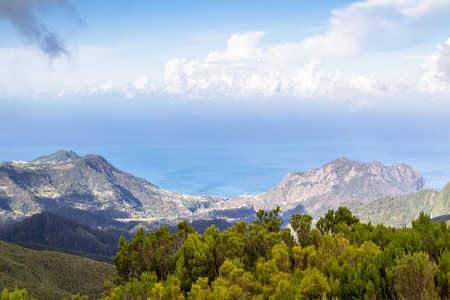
(22, 14)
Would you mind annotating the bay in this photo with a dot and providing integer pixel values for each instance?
(240, 168)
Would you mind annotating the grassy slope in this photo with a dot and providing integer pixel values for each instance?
(92, 256)
(395, 210)
(51, 275)
(401, 210)
(53, 230)
(442, 203)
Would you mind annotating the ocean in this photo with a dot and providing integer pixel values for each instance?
(236, 169)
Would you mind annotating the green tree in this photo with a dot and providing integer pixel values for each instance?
(314, 284)
(136, 288)
(270, 220)
(443, 276)
(340, 221)
(210, 240)
(158, 251)
(200, 290)
(16, 295)
(433, 235)
(193, 261)
(301, 224)
(413, 277)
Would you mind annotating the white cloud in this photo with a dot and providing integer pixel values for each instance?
(141, 83)
(366, 26)
(311, 68)
(129, 90)
(247, 70)
(239, 46)
(436, 77)
(103, 88)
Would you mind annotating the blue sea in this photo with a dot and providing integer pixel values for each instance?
(229, 147)
(237, 169)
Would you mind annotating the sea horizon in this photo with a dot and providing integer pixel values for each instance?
(247, 169)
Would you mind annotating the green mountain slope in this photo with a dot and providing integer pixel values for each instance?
(401, 210)
(53, 230)
(394, 210)
(335, 183)
(441, 205)
(65, 180)
(90, 189)
(51, 275)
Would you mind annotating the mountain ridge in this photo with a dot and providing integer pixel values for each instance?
(336, 182)
(68, 184)
(90, 183)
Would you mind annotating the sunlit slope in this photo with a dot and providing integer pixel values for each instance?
(51, 275)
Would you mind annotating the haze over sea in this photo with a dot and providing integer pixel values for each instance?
(227, 97)
(236, 154)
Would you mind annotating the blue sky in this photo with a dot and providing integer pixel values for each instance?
(358, 52)
(113, 73)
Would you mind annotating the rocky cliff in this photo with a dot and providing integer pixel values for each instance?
(334, 183)
(68, 184)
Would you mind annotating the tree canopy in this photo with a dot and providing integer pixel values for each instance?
(339, 259)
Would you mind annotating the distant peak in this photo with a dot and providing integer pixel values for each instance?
(343, 159)
(340, 161)
(58, 157)
(95, 158)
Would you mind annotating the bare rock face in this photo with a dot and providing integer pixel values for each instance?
(65, 180)
(336, 182)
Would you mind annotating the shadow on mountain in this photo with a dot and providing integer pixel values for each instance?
(99, 218)
(4, 204)
(49, 229)
(444, 218)
(299, 209)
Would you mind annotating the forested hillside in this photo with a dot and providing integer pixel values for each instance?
(50, 275)
(341, 259)
(53, 230)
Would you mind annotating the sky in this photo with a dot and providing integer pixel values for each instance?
(357, 52)
(112, 73)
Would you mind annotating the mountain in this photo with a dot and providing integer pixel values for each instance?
(56, 231)
(334, 183)
(445, 218)
(65, 181)
(57, 158)
(91, 191)
(401, 210)
(51, 275)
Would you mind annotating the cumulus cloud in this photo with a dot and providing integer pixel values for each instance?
(372, 25)
(103, 88)
(21, 14)
(436, 77)
(129, 90)
(300, 69)
(140, 85)
(244, 69)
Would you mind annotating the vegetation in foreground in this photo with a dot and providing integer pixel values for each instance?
(48, 274)
(340, 259)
